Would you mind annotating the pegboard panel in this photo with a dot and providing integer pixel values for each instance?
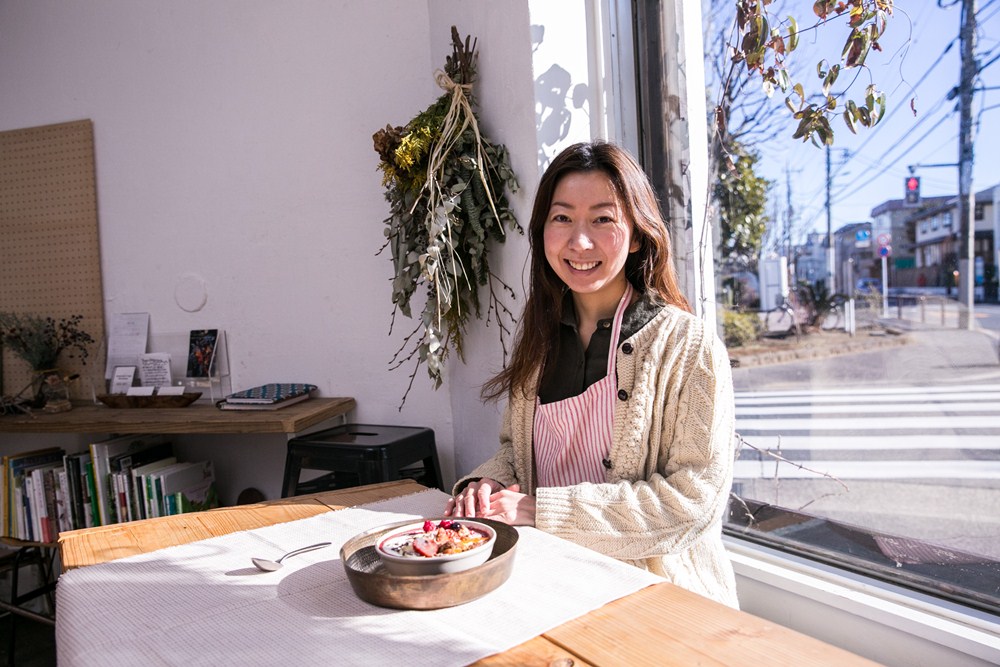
(50, 263)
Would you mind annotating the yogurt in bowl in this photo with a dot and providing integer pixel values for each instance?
(439, 546)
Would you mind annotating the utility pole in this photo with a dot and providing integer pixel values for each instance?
(789, 219)
(966, 261)
(830, 286)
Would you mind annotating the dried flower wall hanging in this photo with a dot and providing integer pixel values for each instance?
(446, 186)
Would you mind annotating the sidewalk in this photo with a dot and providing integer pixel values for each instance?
(826, 360)
(817, 345)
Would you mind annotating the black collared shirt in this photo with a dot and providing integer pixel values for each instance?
(576, 368)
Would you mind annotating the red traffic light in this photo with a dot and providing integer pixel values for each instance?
(911, 185)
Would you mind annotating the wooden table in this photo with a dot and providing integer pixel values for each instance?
(197, 418)
(659, 625)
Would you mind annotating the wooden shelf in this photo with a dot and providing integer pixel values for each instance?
(192, 419)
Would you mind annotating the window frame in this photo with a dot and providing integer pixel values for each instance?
(656, 141)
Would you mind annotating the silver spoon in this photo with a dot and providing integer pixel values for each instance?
(272, 565)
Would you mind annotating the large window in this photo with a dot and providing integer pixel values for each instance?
(871, 436)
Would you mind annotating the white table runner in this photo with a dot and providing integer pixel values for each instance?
(205, 604)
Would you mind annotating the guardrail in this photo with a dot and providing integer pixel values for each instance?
(924, 307)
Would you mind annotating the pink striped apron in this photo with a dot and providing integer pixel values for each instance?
(573, 436)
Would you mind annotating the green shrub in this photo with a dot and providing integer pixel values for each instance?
(740, 329)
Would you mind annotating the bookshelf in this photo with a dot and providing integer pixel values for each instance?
(140, 425)
(202, 419)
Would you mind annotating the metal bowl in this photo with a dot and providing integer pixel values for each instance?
(373, 583)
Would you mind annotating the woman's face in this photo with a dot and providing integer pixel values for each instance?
(587, 235)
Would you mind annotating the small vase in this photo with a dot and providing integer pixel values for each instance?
(51, 391)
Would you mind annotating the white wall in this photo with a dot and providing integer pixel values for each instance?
(234, 151)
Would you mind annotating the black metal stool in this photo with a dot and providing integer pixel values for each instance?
(356, 454)
(43, 556)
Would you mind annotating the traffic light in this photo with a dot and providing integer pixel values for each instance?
(911, 186)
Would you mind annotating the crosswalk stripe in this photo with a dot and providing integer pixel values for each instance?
(869, 390)
(869, 469)
(871, 423)
(758, 411)
(984, 397)
(871, 442)
(871, 433)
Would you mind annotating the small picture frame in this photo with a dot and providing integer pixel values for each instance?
(201, 352)
(122, 378)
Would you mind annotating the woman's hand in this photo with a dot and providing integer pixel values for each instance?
(474, 499)
(511, 507)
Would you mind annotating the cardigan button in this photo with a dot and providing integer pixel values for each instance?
(622, 394)
(627, 348)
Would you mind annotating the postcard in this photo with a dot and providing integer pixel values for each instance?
(201, 352)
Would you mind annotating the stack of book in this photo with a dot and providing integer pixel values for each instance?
(47, 491)
(267, 397)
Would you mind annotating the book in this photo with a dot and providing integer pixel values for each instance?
(91, 511)
(40, 502)
(188, 486)
(270, 394)
(122, 466)
(29, 525)
(273, 396)
(156, 486)
(75, 488)
(120, 499)
(50, 512)
(201, 352)
(197, 498)
(141, 498)
(109, 456)
(64, 520)
(226, 405)
(14, 467)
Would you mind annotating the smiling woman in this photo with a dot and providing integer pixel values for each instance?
(618, 433)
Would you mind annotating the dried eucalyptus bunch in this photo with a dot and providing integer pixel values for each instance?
(446, 185)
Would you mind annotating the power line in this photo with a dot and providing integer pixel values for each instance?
(984, 8)
(896, 108)
(858, 151)
(882, 160)
(883, 163)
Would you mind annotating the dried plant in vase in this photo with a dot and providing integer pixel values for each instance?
(446, 186)
(40, 342)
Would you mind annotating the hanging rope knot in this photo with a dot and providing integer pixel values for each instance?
(446, 83)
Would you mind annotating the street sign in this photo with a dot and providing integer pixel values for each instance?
(885, 251)
(862, 238)
(884, 239)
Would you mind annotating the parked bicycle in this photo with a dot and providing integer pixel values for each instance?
(781, 320)
(834, 318)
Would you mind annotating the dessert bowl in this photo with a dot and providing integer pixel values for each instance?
(436, 546)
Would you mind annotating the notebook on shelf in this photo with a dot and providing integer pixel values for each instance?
(268, 396)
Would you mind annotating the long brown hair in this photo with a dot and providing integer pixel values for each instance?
(649, 269)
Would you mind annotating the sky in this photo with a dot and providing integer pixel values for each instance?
(915, 64)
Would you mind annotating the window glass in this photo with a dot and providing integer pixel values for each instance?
(868, 412)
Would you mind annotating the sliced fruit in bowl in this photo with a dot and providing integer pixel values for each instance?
(438, 546)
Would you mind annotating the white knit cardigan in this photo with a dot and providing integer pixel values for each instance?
(662, 502)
